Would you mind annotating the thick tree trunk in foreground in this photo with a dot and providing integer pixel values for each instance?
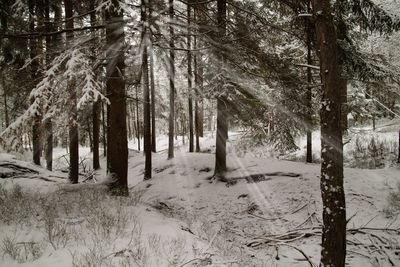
(73, 112)
(117, 145)
(334, 211)
(171, 83)
(222, 114)
(146, 92)
(196, 102)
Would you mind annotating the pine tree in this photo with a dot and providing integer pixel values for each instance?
(171, 74)
(334, 207)
(117, 145)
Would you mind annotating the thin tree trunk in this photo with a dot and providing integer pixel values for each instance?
(309, 88)
(152, 89)
(333, 251)
(117, 144)
(137, 118)
(89, 130)
(104, 129)
(48, 123)
(146, 92)
(33, 46)
(222, 114)
(196, 101)
(73, 112)
(96, 109)
(189, 73)
(171, 83)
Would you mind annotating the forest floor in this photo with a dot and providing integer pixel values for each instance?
(268, 214)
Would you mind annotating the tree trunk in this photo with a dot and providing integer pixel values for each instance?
(73, 112)
(196, 101)
(96, 104)
(309, 88)
(152, 89)
(48, 122)
(146, 92)
(222, 114)
(333, 198)
(104, 128)
(137, 118)
(117, 145)
(189, 73)
(33, 46)
(171, 83)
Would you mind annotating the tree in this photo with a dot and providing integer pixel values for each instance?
(73, 133)
(146, 90)
(117, 145)
(96, 104)
(222, 112)
(171, 73)
(33, 47)
(48, 122)
(333, 198)
(190, 78)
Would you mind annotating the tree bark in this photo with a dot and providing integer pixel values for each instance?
(196, 101)
(48, 122)
(117, 145)
(309, 88)
(146, 91)
(222, 114)
(104, 129)
(152, 89)
(96, 104)
(73, 112)
(171, 83)
(137, 118)
(334, 210)
(189, 73)
(33, 47)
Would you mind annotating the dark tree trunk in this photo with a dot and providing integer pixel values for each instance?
(171, 83)
(189, 73)
(89, 130)
(309, 88)
(48, 123)
(117, 145)
(222, 114)
(104, 129)
(152, 89)
(33, 47)
(73, 112)
(96, 135)
(196, 101)
(153, 102)
(146, 92)
(49, 144)
(137, 118)
(334, 210)
(96, 104)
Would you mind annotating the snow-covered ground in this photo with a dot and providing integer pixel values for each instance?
(181, 218)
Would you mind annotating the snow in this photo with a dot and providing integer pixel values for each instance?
(184, 216)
